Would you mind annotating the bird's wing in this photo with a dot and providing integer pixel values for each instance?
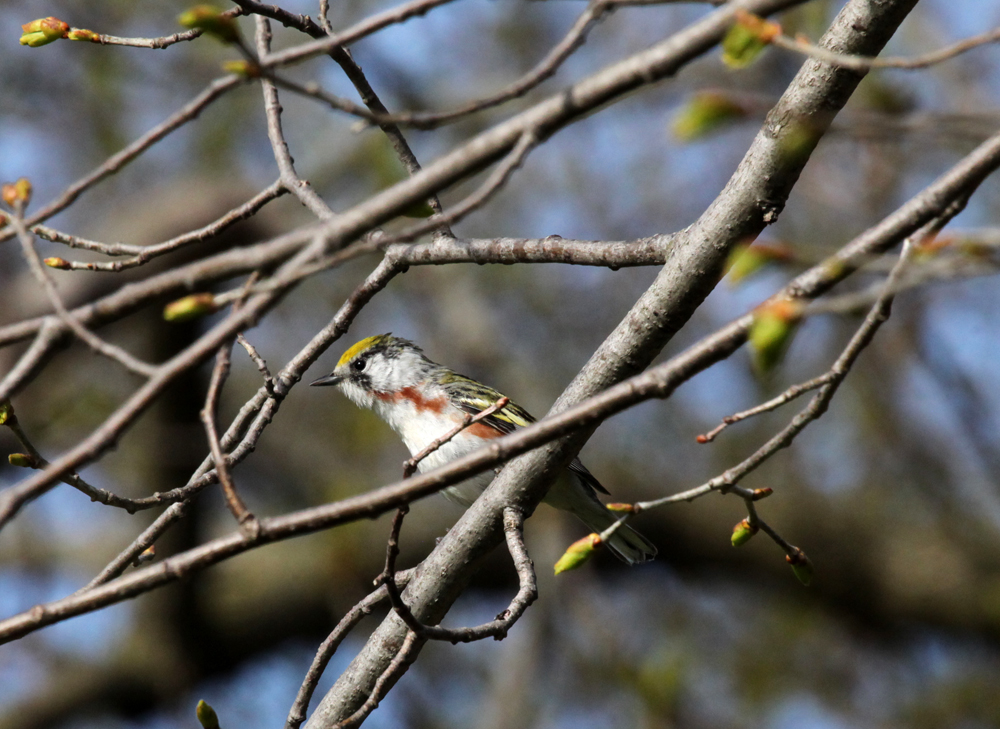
(586, 476)
(474, 397)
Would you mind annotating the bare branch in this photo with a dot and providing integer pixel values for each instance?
(328, 647)
(142, 254)
(860, 63)
(107, 349)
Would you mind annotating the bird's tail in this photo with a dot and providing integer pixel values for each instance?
(626, 543)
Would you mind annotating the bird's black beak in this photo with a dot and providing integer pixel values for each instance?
(330, 379)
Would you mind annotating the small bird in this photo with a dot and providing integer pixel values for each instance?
(423, 401)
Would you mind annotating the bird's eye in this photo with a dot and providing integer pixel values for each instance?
(358, 365)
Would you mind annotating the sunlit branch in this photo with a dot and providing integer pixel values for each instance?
(143, 254)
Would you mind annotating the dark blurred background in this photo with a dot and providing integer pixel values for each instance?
(894, 494)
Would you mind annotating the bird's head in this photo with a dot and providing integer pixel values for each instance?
(382, 364)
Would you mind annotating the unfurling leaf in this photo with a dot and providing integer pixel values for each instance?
(43, 31)
(705, 112)
(241, 68)
(746, 39)
(578, 553)
(747, 259)
(774, 325)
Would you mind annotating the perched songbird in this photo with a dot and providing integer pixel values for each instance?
(423, 401)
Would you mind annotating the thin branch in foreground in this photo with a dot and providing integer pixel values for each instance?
(247, 521)
(111, 351)
(392, 672)
(72, 478)
(527, 593)
(860, 63)
(130, 555)
(153, 43)
(328, 647)
(479, 197)
(142, 254)
(573, 40)
(272, 110)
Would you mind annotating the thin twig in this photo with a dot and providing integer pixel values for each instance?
(727, 481)
(498, 628)
(143, 254)
(328, 647)
(72, 478)
(155, 43)
(247, 521)
(545, 69)
(861, 63)
(257, 360)
(479, 197)
(272, 109)
(111, 351)
(141, 543)
(339, 53)
(392, 672)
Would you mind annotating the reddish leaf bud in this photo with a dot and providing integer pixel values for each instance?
(43, 31)
(82, 34)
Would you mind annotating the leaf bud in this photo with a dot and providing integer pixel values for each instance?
(24, 460)
(56, 262)
(14, 193)
(7, 413)
(578, 552)
(206, 715)
(705, 112)
(211, 20)
(189, 307)
(620, 508)
(802, 566)
(82, 34)
(743, 533)
(774, 325)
